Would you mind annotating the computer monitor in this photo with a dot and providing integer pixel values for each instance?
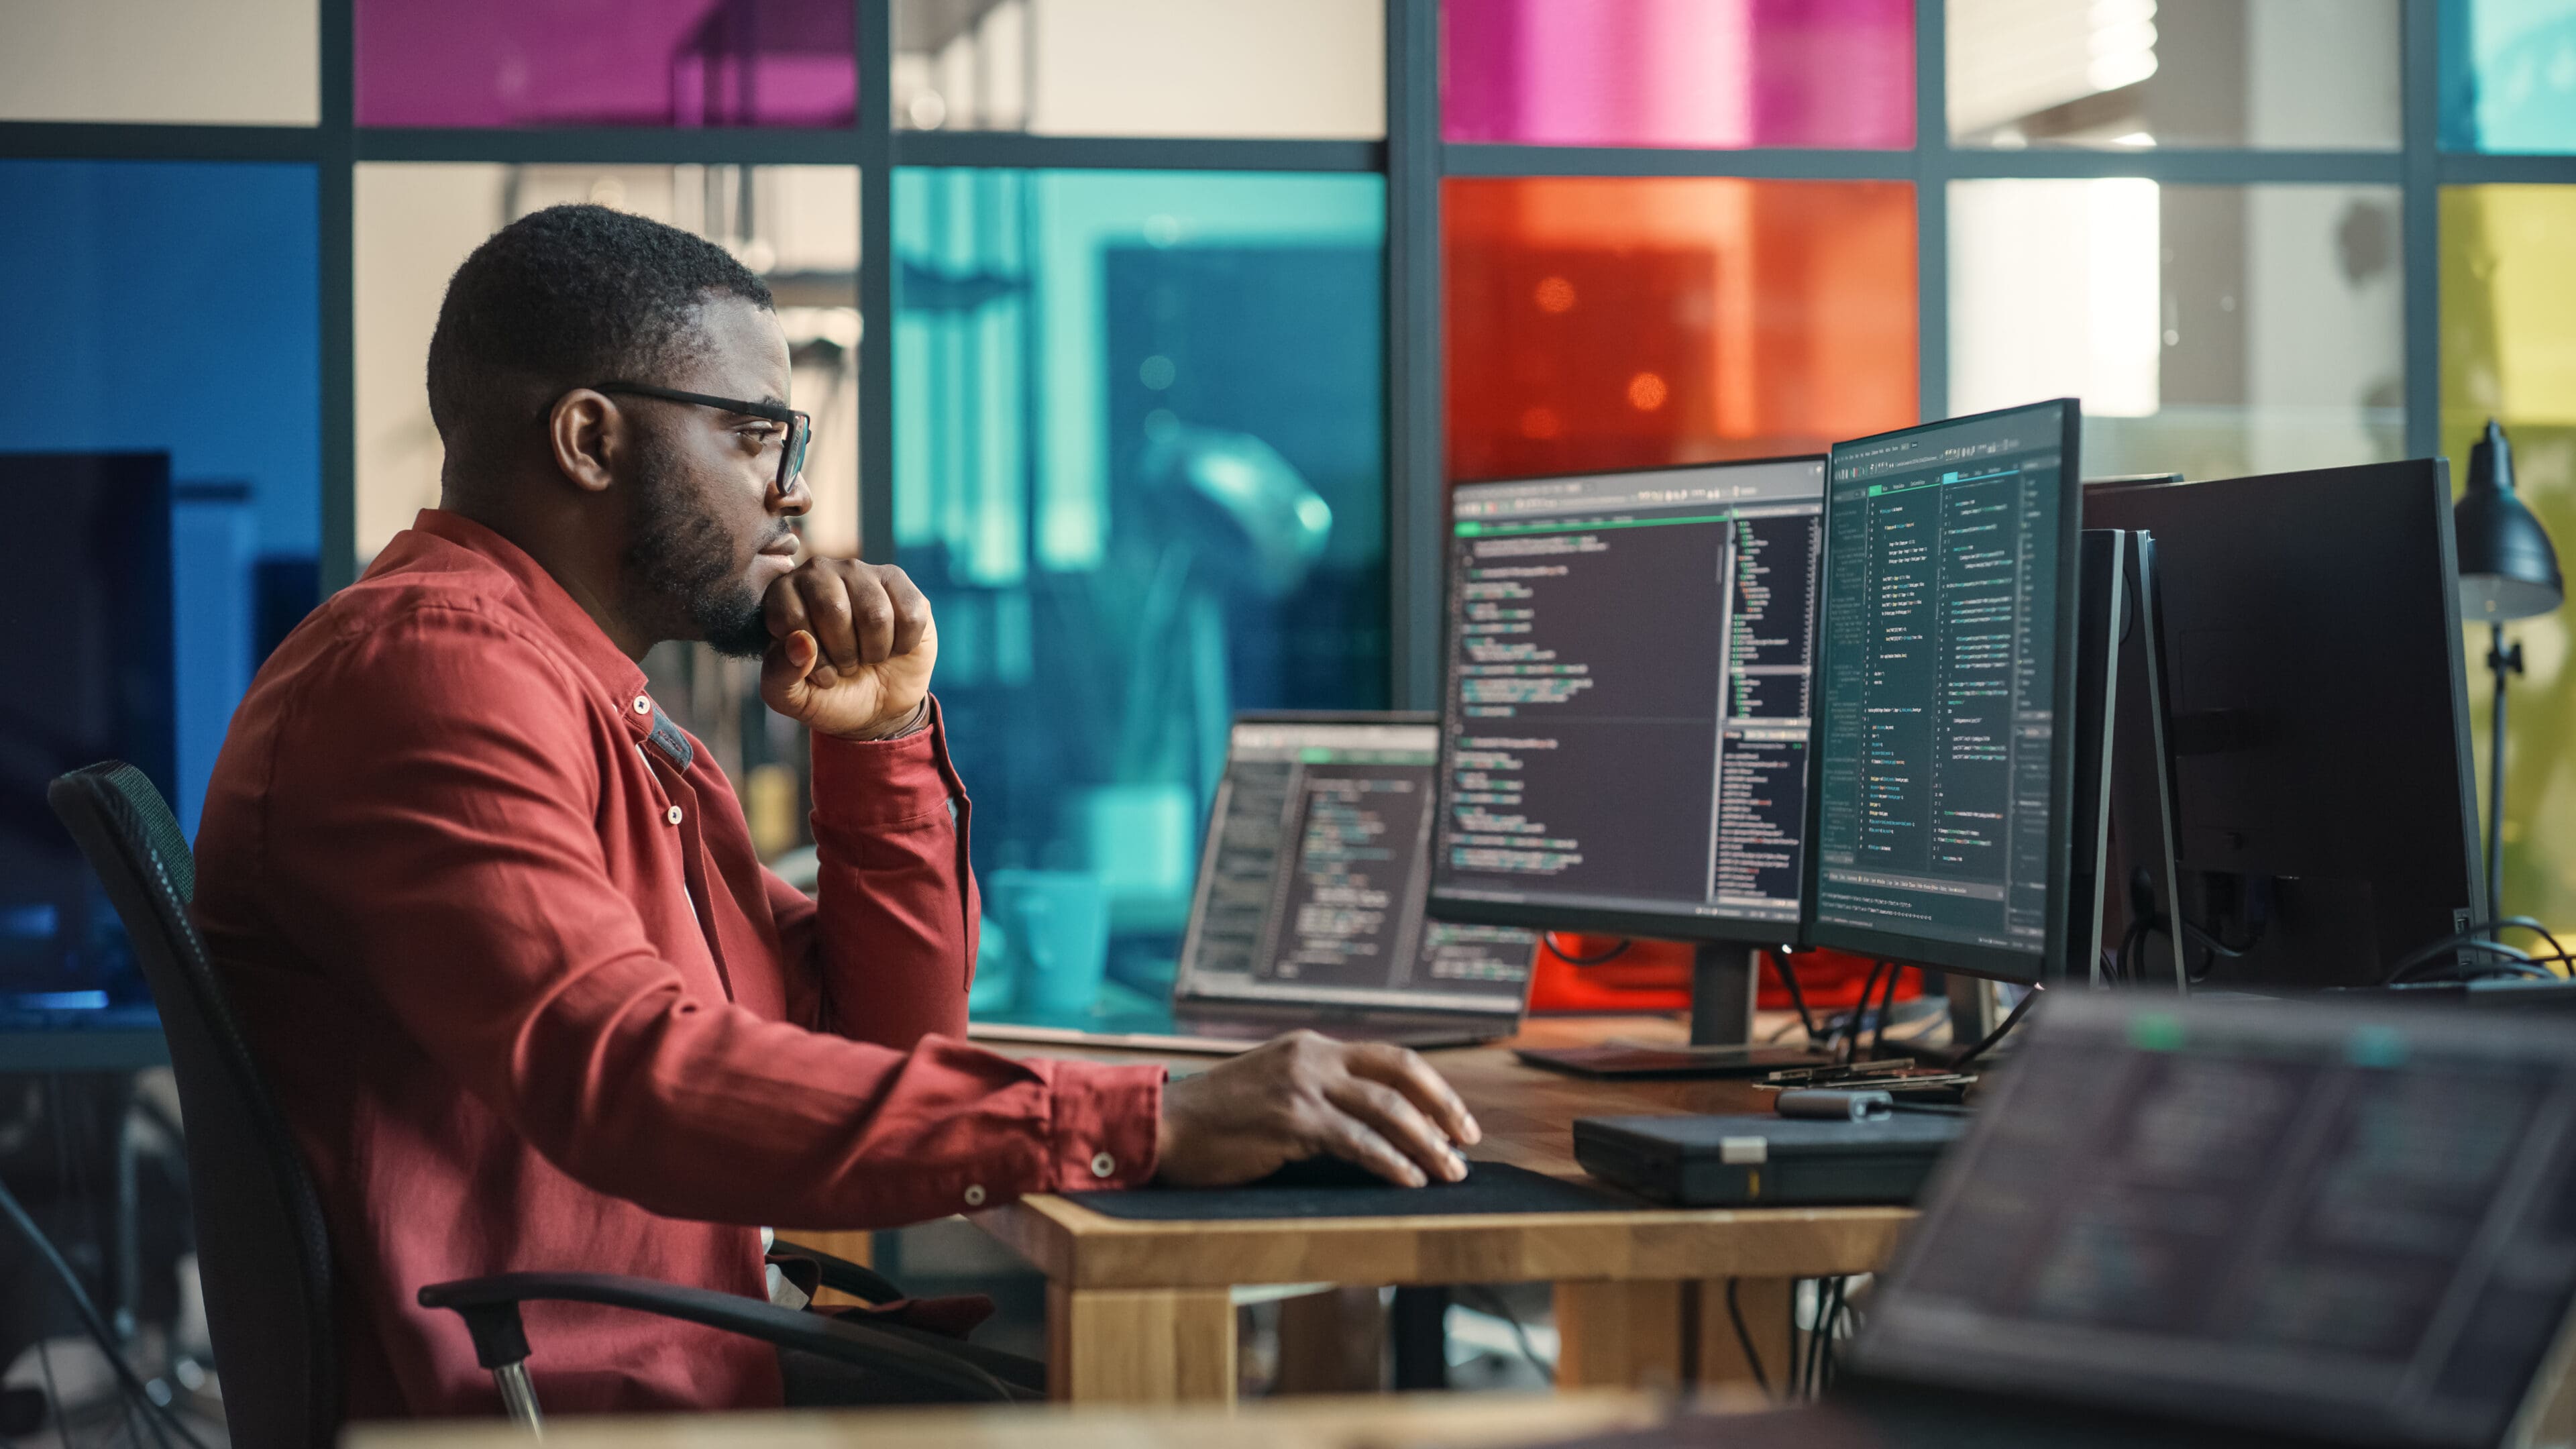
(2327, 815)
(1311, 885)
(1624, 722)
(1942, 811)
(85, 597)
(1624, 734)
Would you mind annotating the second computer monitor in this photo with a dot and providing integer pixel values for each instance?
(1941, 822)
(1624, 735)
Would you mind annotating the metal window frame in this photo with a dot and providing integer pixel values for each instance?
(1412, 157)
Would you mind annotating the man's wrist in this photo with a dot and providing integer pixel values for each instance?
(912, 723)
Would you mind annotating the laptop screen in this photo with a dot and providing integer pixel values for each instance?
(2353, 1223)
(1311, 889)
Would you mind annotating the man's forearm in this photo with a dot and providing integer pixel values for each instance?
(896, 935)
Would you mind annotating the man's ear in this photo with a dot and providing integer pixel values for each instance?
(589, 436)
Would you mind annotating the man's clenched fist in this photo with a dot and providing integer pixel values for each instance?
(852, 647)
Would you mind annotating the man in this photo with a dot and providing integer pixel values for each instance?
(494, 923)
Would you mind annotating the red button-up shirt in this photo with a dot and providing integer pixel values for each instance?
(529, 1001)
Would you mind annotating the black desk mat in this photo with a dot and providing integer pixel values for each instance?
(1333, 1191)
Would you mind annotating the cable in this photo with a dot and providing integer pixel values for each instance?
(2466, 941)
(1827, 1325)
(2212, 949)
(1886, 1009)
(1744, 1339)
(2212, 944)
(1613, 954)
(1820, 1341)
(1814, 1344)
(2527, 923)
(2010, 1021)
(69, 1168)
(2131, 939)
(1493, 1303)
(153, 1413)
(1847, 1031)
(1797, 994)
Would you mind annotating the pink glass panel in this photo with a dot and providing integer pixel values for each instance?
(1702, 73)
(677, 63)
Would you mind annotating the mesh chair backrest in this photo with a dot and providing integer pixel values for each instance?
(261, 1247)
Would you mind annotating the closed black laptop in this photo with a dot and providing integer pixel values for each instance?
(1767, 1161)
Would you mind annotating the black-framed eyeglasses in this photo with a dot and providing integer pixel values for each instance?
(800, 426)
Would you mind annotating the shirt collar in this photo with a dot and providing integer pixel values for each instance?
(620, 677)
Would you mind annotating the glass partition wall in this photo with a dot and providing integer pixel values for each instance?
(1049, 267)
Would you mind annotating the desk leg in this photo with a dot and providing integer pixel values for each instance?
(1619, 1335)
(1157, 1346)
(1764, 1302)
(1333, 1342)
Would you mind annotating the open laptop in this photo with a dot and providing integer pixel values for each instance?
(2231, 1222)
(1309, 905)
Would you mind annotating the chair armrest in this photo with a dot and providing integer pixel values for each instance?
(490, 1307)
(845, 1276)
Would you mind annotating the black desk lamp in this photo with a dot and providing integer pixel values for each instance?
(2507, 571)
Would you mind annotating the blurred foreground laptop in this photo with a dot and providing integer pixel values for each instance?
(2230, 1223)
(1309, 905)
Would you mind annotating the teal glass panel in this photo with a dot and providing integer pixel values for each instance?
(1139, 469)
(2509, 76)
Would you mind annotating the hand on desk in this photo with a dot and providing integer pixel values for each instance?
(1303, 1096)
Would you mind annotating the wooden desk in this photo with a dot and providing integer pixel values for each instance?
(1140, 1313)
(1384, 1421)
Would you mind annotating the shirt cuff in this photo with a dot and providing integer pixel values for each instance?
(1107, 1120)
(882, 782)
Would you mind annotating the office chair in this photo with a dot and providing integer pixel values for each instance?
(262, 1248)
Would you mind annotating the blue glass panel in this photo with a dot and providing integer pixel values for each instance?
(167, 310)
(1139, 467)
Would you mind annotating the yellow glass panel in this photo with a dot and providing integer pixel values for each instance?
(2509, 353)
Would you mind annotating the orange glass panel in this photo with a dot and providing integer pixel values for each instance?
(1598, 322)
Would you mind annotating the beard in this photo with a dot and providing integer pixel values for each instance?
(685, 565)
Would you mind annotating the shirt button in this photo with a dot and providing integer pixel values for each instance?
(643, 705)
(1102, 1164)
(975, 1195)
(672, 814)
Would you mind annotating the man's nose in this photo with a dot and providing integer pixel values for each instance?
(796, 502)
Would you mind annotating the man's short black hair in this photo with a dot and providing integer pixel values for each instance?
(562, 298)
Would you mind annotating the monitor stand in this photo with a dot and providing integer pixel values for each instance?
(2125, 830)
(1724, 978)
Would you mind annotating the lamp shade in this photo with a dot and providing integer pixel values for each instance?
(2507, 568)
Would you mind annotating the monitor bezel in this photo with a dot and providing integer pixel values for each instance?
(1991, 962)
(1598, 920)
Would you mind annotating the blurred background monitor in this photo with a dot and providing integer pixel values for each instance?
(2319, 725)
(86, 642)
(1945, 759)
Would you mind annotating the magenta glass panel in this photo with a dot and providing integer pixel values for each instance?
(681, 63)
(1714, 73)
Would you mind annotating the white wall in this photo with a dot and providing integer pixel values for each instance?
(226, 62)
